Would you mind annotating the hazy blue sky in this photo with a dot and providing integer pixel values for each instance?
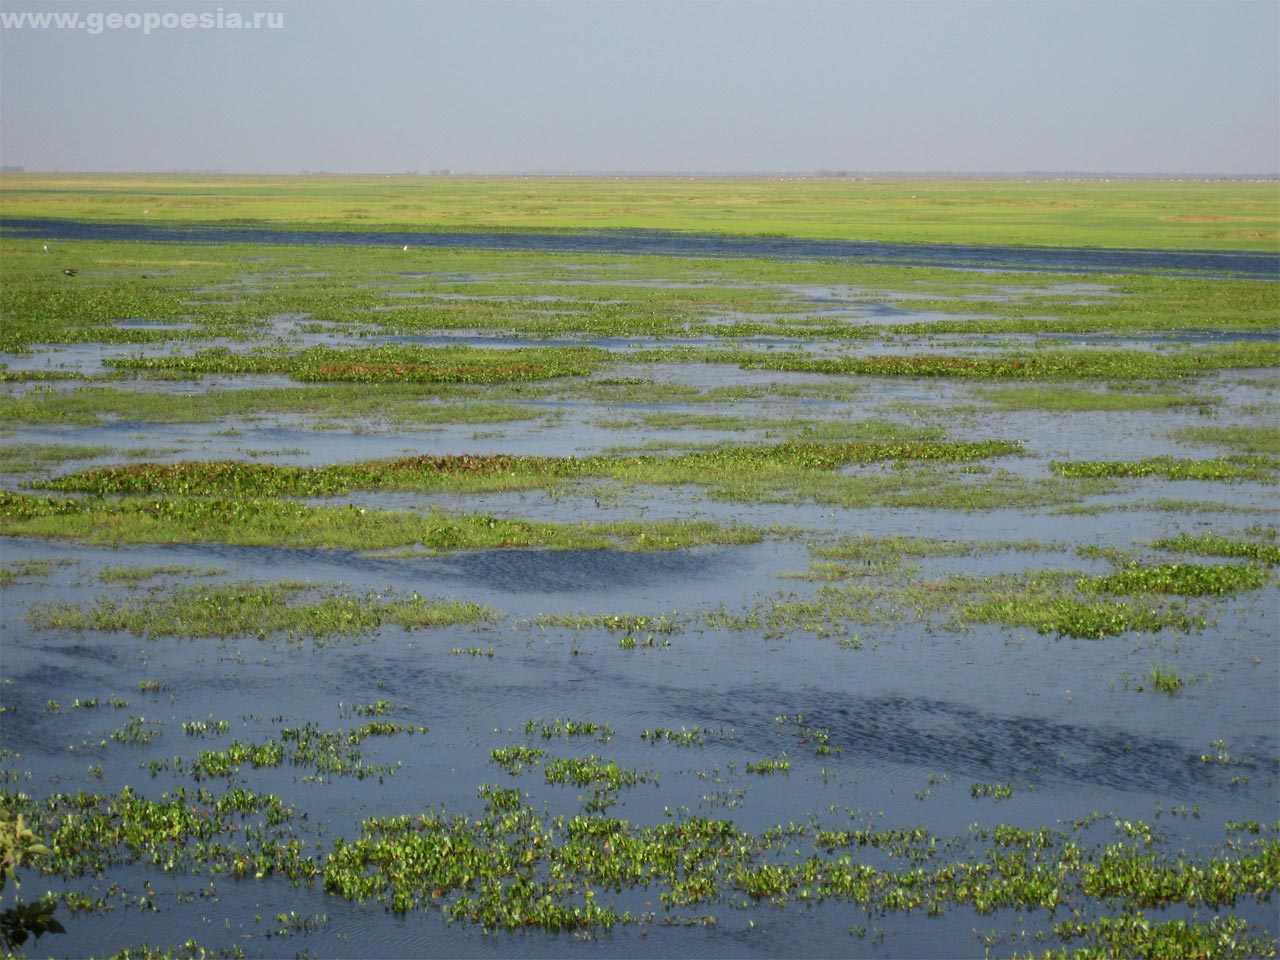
(1148, 86)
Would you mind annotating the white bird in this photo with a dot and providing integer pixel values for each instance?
(46, 248)
(406, 247)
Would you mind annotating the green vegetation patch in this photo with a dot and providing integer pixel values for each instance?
(389, 364)
(1070, 617)
(238, 833)
(11, 573)
(1042, 365)
(1217, 545)
(255, 609)
(270, 522)
(1164, 505)
(49, 309)
(1135, 305)
(328, 403)
(943, 487)
(141, 574)
(1137, 935)
(324, 753)
(996, 791)
(213, 477)
(1165, 679)
(1184, 579)
(568, 728)
(1043, 600)
(516, 867)
(1256, 439)
(557, 873)
(592, 770)
(514, 758)
(399, 404)
(875, 549)
(30, 458)
(36, 376)
(1255, 468)
(507, 472)
(881, 590)
(1069, 399)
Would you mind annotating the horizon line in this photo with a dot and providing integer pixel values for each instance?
(817, 174)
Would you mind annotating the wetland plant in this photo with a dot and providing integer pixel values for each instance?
(1217, 545)
(1165, 679)
(254, 609)
(388, 364)
(682, 737)
(769, 765)
(514, 758)
(19, 846)
(996, 791)
(568, 728)
(1230, 469)
(1183, 579)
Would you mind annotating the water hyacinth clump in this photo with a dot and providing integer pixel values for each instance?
(512, 867)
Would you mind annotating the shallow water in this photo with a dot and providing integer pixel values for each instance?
(1051, 717)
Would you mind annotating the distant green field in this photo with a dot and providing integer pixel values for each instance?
(1162, 214)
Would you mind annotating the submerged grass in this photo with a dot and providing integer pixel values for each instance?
(937, 488)
(864, 582)
(32, 458)
(879, 550)
(1243, 439)
(140, 574)
(12, 573)
(1165, 505)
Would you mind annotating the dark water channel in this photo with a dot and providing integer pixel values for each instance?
(1244, 264)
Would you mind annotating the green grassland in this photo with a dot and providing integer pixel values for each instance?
(1211, 215)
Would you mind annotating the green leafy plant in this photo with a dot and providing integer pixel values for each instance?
(1165, 679)
(1184, 579)
(18, 845)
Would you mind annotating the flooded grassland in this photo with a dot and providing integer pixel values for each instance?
(366, 601)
